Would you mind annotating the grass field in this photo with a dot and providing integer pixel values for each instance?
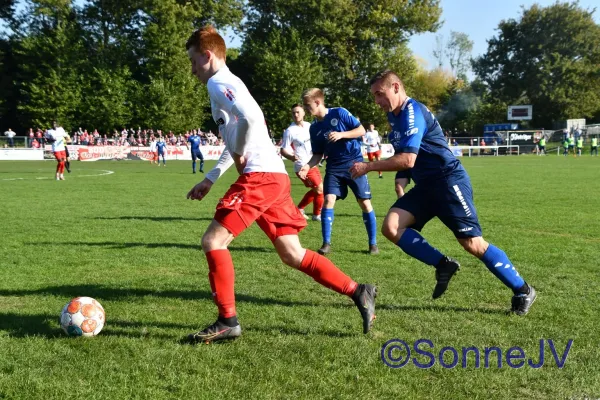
(131, 240)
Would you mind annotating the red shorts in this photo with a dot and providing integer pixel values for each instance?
(263, 197)
(373, 155)
(313, 178)
(60, 155)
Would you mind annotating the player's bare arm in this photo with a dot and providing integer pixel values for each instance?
(354, 133)
(314, 160)
(200, 190)
(288, 154)
(398, 162)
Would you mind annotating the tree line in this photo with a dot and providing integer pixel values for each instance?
(110, 64)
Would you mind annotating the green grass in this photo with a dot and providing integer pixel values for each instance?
(131, 240)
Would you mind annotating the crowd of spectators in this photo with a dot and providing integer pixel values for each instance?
(126, 137)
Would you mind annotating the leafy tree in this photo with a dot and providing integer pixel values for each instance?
(549, 58)
(458, 51)
(49, 60)
(351, 40)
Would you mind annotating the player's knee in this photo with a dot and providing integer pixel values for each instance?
(211, 242)
(474, 245)
(291, 256)
(391, 231)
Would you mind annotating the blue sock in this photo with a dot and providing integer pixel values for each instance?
(326, 224)
(413, 244)
(499, 264)
(201, 166)
(371, 225)
(194, 166)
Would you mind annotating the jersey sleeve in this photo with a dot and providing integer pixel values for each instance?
(413, 127)
(349, 120)
(318, 146)
(224, 96)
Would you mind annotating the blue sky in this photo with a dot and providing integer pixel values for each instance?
(478, 19)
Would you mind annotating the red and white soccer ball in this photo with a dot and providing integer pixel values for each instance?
(82, 316)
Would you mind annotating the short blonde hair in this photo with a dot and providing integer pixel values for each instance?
(313, 94)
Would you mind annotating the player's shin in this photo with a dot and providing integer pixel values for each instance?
(326, 273)
(222, 277)
(306, 200)
(413, 244)
(194, 166)
(498, 263)
(326, 224)
(371, 225)
(318, 203)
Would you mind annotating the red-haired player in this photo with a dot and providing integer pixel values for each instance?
(261, 194)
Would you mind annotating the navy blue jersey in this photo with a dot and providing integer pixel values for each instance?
(342, 154)
(161, 146)
(195, 141)
(415, 130)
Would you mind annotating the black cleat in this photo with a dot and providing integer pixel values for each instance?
(373, 249)
(364, 298)
(444, 271)
(215, 332)
(521, 303)
(325, 249)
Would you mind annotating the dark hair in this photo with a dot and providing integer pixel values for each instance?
(296, 105)
(388, 77)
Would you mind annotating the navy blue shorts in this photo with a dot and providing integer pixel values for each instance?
(338, 182)
(403, 174)
(451, 202)
(197, 154)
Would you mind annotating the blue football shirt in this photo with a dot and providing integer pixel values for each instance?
(415, 130)
(195, 141)
(161, 146)
(342, 154)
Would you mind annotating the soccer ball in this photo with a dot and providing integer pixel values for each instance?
(82, 316)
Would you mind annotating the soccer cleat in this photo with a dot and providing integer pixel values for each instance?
(61, 177)
(373, 249)
(444, 271)
(215, 332)
(521, 303)
(325, 249)
(380, 176)
(364, 298)
(303, 213)
(316, 218)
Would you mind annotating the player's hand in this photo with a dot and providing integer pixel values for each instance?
(335, 136)
(359, 169)
(200, 190)
(304, 171)
(240, 163)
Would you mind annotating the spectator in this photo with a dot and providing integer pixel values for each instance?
(10, 134)
(454, 142)
(30, 138)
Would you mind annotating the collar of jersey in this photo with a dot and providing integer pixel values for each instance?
(405, 103)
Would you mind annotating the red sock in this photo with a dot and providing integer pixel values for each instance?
(222, 277)
(306, 200)
(318, 204)
(62, 167)
(327, 274)
(58, 167)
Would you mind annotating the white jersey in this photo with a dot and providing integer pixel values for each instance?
(59, 136)
(372, 140)
(298, 138)
(153, 146)
(231, 101)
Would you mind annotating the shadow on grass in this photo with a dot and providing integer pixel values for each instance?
(47, 326)
(156, 219)
(129, 245)
(441, 308)
(102, 293)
